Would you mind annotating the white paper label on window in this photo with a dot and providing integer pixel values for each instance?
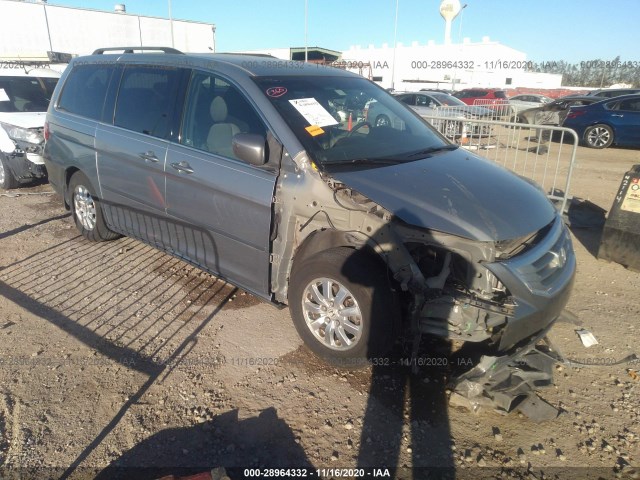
(3, 95)
(313, 112)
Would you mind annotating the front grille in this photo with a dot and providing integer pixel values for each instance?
(545, 268)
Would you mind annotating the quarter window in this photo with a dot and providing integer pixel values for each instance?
(85, 89)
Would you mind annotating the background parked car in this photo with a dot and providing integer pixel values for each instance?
(440, 90)
(608, 122)
(24, 99)
(613, 92)
(432, 103)
(552, 113)
(423, 100)
(424, 105)
(470, 95)
(493, 98)
(526, 101)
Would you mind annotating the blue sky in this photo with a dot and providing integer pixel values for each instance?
(571, 30)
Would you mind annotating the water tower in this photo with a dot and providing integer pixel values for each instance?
(449, 9)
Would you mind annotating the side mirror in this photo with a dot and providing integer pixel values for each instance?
(250, 147)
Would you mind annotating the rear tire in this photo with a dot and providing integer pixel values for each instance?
(343, 307)
(7, 180)
(382, 121)
(86, 210)
(598, 136)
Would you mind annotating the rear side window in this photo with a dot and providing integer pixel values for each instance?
(147, 99)
(500, 94)
(85, 90)
(630, 105)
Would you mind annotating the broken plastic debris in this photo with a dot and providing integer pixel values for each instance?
(504, 383)
(537, 409)
(587, 337)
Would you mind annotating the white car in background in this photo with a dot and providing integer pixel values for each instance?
(526, 101)
(25, 91)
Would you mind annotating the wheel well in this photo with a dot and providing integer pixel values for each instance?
(322, 240)
(67, 178)
(319, 241)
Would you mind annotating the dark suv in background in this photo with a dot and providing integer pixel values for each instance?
(245, 167)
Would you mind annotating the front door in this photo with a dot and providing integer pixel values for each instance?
(221, 207)
(626, 122)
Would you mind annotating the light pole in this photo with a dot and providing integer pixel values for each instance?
(306, 17)
(171, 24)
(395, 44)
(455, 74)
(460, 24)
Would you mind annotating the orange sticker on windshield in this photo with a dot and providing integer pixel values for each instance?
(314, 130)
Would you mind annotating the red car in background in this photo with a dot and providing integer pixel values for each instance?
(486, 95)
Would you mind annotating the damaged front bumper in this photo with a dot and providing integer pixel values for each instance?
(26, 163)
(509, 382)
(22, 151)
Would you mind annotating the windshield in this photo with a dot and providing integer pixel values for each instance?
(349, 120)
(25, 94)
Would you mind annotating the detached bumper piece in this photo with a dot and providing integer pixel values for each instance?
(507, 383)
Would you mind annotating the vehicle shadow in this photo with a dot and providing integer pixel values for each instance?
(261, 442)
(132, 305)
(28, 226)
(406, 426)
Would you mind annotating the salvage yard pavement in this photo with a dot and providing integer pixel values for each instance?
(117, 354)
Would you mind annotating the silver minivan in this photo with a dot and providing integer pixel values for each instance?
(266, 173)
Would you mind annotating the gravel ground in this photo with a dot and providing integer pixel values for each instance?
(117, 355)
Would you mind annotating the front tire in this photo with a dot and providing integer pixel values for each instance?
(343, 307)
(7, 180)
(87, 211)
(598, 136)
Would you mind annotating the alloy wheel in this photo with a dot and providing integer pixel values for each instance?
(332, 314)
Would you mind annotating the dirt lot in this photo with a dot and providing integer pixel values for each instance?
(116, 354)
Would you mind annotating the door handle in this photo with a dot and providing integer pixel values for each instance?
(617, 115)
(149, 156)
(182, 167)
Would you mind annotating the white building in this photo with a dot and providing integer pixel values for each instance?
(29, 29)
(451, 66)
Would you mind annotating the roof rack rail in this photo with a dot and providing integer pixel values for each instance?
(100, 51)
(266, 55)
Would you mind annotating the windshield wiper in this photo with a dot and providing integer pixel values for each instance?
(365, 161)
(428, 151)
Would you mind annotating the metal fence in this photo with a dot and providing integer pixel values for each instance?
(501, 107)
(545, 154)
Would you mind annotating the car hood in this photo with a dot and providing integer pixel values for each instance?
(455, 192)
(24, 119)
